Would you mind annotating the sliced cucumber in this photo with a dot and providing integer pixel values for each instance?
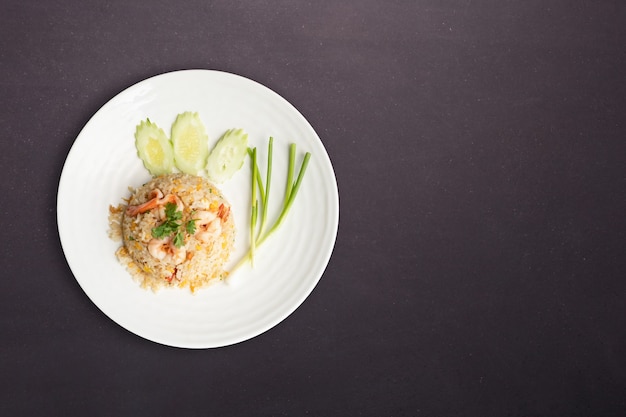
(154, 148)
(227, 156)
(190, 142)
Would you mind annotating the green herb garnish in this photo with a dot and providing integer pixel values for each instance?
(170, 225)
(171, 213)
(291, 190)
(191, 226)
(268, 180)
(179, 239)
(255, 209)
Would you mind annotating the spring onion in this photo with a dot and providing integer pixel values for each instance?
(268, 181)
(255, 208)
(291, 190)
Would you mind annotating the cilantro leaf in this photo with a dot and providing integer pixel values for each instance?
(170, 225)
(179, 239)
(171, 213)
(191, 226)
(160, 231)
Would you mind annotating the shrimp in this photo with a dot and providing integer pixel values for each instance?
(164, 250)
(223, 211)
(208, 225)
(178, 255)
(155, 196)
(157, 200)
(158, 248)
(203, 217)
(170, 198)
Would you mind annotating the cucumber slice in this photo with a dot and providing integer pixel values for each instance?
(190, 142)
(154, 148)
(227, 156)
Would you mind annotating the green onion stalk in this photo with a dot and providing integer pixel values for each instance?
(291, 191)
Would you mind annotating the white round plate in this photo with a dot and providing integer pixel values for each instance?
(103, 163)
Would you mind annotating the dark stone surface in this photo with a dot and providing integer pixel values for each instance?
(479, 150)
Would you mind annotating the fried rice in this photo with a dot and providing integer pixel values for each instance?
(176, 231)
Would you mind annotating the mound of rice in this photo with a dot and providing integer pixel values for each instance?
(156, 262)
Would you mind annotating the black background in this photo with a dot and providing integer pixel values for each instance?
(479, 268)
